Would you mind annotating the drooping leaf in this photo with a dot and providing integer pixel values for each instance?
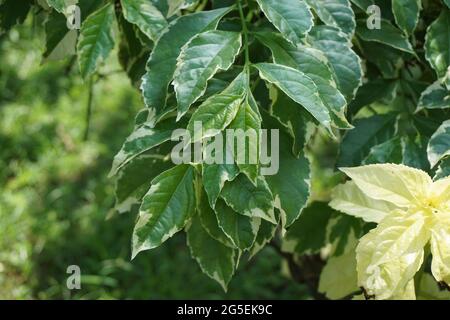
(242, 230)
(60, 5)
(216, 260)
(134, 180)
(96, 40)
(435, 96)
(165, 209)
(295, 120)
(199, 60)
(217, 112)
(291, 17)
(388, 34)
(299, 87)
(209, 221)
(443, 169)
(60, 42)
(368, 132)
(335, 13)
(247, 137)
(215, 174)
(344, 62)
(363, 4)
(146, 16)
(162, 63)
(437, 44)
(314, 64)
(406, 13)
(265, 234)
(291, 184)
(141, 140)
(255, 201)
(439, 144)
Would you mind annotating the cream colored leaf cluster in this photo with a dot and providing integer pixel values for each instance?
(411, 211)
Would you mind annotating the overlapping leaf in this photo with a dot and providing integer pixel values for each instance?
(199, 60)
(165, 209)
(291, 17)
(162, 63)
(96, 40)
(146, 16)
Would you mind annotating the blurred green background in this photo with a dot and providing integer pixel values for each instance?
(56, 200)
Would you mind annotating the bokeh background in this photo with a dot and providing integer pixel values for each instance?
(56, 199)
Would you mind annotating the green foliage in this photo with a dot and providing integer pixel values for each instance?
(313, 70)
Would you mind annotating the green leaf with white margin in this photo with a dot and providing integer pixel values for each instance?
(143, 139)
(199, 60)
(134, 180)
(216, 173)
(218, 111)
(299, 87)
(265, 234)
(406, 13)
(367, 133)
(291, 184)
(165, 209)
(437, 44)
(294, 119)
(314, 64)
(436, 96)
(241, 230)
(335, 13)
(208, 219)
(216, 260)
(363, 4)
(344, 62)
(247, 137)
(443, 169)
(61, 5)
(439, 144)
(146, 16)
(60, 42)
(162, 63)
(388, 35)
(349, 199)
(291, 17)
(96, 39)
(174, 6)
(255, 201)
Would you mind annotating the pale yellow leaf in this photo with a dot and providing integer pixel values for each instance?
(348, 198)
(398, 184)
(389, 255)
